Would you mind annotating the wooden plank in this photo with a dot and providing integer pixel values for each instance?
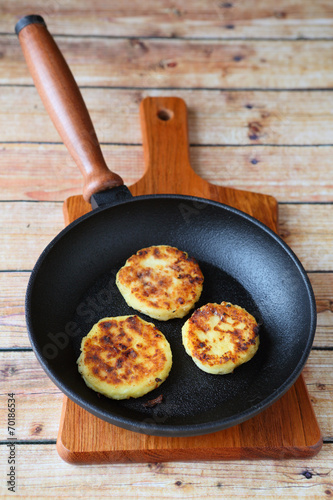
(198, 18)
(27, 227)
(12, 310)
(14, 330)
(308, 230)
(39, 469)
(39, 401)
(215, 117)
(298, 64)
(46, 172)
(322, 285)
(320, 387)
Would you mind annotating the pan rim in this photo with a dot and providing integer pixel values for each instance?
(162, 429)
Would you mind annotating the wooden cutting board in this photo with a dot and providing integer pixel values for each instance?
(288, 428)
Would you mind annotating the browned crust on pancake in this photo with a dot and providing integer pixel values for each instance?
(173, 288)
(112, 356)
(244, 339)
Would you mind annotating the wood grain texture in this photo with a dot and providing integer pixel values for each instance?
(317, 375)
(12, 310)
(215, 117)
(323, 288)
(296, 229)
(165, 18)
(38, 400)
(46, 172)
(26, 228)
(216, 480)
(166, 63)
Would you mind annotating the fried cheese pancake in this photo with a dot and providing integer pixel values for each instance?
(124, 357)
(161, 281)
(220, 337)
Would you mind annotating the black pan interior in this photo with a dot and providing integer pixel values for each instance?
(243, 262)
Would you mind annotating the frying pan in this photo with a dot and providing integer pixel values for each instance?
(72, 284)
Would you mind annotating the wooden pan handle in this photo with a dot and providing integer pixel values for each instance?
(64, 104)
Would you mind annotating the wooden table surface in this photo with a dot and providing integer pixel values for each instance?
(257, 77)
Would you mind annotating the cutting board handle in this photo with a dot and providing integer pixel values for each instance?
(64, 103)
(164, 127)
(165, 142)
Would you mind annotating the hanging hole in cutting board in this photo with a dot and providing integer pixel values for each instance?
(165, 114)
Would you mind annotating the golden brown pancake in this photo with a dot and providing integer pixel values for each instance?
(124, 357)
(161, 281)
(220, 337)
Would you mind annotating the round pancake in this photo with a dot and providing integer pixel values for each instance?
(220, 337)
(161, 281)
(124, 357)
